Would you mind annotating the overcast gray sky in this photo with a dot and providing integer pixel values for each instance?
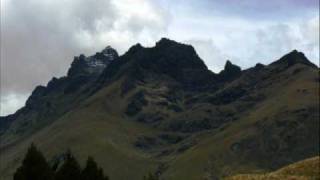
(40, 37)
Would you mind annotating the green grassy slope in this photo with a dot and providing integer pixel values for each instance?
(303, 170)
(90, 130)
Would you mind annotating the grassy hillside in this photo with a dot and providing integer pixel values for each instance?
(304, 170)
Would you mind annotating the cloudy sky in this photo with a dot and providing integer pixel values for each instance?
(40, 37)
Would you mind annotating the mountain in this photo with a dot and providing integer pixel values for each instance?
(161, 110)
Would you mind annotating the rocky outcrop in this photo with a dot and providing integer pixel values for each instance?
(230, 72)
(92, 65)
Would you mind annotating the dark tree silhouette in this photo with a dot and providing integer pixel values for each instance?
(92, 171)
(34, 167)
(70, 169)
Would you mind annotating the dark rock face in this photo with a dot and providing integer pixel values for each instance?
(92, 65)
(136, 104)
(230, 72)
(82, 71)
(38, 92)
(178, 61)
(168, 58)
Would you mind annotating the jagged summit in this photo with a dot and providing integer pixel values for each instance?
(294, 57)
(83, 71)
(135, 48)
(93, 65)
(229, 66)
(230, 71)
(166, 42)
(110, 52)
(166, 58)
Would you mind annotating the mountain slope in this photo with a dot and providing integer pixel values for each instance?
(303, 170)
(161, 110)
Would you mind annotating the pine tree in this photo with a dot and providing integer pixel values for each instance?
(34, 167)
(92, 172)
(70, 169)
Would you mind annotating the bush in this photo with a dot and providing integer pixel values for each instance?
(92, 171)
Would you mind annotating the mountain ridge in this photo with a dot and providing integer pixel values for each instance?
(291, 58)
(158, 108)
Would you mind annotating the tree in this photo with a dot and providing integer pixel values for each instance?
(34, 166)
(92, 171)
(70, 169)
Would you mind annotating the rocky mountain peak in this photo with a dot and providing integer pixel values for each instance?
(177, 60)
(166, 42)
(166, 59)
(178, 54)
(135, 48)
(93, 65)
(230, 71)
(228, 65)
(231, 68)
(292, 58)
(110, 52)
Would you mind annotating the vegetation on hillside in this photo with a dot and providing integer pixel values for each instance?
(308, 169)
(36, 167)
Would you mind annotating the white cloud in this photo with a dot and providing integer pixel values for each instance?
(11, 102)
(246, 43)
